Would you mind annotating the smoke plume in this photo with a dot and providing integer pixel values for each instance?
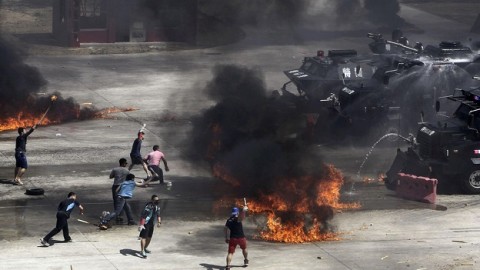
(21, 102)
(255, 143)
(254, 12)
(384, 12)
(381, 13)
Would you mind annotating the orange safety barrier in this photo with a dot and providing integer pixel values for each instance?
(417, 188)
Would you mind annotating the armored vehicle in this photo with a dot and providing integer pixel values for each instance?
(447, 52)
(381, 92)
(448, 150)
(318, 75)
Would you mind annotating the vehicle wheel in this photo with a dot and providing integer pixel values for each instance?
(35, 191)
(471, 182)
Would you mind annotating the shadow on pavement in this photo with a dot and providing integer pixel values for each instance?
(130, 252)
(213, 266)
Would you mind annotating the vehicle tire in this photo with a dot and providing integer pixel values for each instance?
(35, 191)
(471, 181)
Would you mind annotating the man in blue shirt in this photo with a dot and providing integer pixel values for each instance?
(63, 214)
(125, 192)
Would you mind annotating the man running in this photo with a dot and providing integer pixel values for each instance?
(150, 215)
(135, 154)
(153, 159)
(125, 192)
(119, 174)
(63, 214)
(21, 163)
(236, 236)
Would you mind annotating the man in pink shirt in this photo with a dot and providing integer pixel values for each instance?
(153, 160)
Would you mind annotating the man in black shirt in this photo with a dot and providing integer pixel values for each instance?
(136, 155)
(236, 236)
(63, 214)
(21, 164)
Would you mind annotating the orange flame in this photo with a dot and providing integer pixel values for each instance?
(380, 179)
(105, 113)
(22, 120)
(25, 119)
(306, 226)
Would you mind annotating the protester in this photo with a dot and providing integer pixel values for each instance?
(64, 210)
(125, 192)
(234, 235)
(118, 174)
(150, 215)
(153, 160)
(21, 163)
(135, 153)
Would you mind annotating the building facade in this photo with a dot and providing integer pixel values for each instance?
(110, 21)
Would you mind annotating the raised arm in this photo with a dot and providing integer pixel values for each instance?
(30, 131)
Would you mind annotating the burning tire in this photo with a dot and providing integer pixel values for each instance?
(35, 191)
(471, 181)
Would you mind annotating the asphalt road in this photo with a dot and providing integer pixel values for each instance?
(385, 233)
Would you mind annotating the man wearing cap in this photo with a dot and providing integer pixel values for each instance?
(135, 154)
(234, 235)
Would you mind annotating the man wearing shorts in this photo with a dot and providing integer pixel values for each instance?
(135, 154)
(153, 159)
(236, 236)
(150, 215)
(21, 163)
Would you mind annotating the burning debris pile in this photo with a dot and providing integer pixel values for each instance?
(250, 142)
(21, 102)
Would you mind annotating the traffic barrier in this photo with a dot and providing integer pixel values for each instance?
(417, 188)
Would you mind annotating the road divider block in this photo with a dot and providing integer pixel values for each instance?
(417, 188)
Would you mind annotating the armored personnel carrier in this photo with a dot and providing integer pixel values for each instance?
(448, 150)
(381, 92)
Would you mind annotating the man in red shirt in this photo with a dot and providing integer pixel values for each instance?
(236, 236)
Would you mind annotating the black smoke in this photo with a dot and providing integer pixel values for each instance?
(21, 91)
(384, 12)
(381, 13)
(255, 12)
(259, 140)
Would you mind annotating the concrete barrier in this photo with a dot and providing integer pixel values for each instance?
(416, 188)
